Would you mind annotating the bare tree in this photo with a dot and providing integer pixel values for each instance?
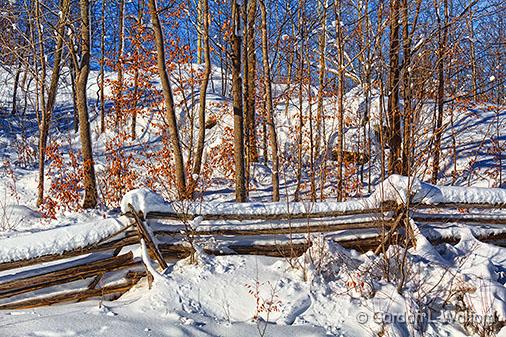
(119, 61)
(340, 99)
(169, 100)
(102, 69)
(203, 87)
(240, 183)
(81, 64)
(441, 52)
(268, 104)
(394, 132)
(47, 104)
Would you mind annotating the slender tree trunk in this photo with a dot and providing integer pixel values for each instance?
(15, 88)
(169, 100)
(245, 91)
(301, 100)
(200, 29)
(312, 170)
(41, 105)
(102, 70)
(251, 69)
(119, 63)
(443, 38)
(90, 187)
(380, 80)
(472, 53)
(320, 114)
(268, 104)
(407, 113)
(203, 88)
(133, 125)
(340, 101)
(394, 137)
(74, 98)
(240, 184)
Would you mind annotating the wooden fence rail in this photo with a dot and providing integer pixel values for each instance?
(170, 236)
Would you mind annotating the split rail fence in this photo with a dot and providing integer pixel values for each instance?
(109, 268)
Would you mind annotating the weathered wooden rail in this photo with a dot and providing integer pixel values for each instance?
(32, 282)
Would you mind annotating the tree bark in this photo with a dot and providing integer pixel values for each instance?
(47, 110)
(472, 54)
(15, 88)
(394, 137)
(102, 70)
(268, 104)
(302, 35)
(443, 38)
(41, 105)
(203, 88)
(407, 114)
(138, 50)
(240, 184)
(169, 100)
(250, 98)
(82, 72)
(322, 41)
(340, 101)
(119, 63)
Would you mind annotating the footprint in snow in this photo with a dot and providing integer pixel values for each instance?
(56, 333)
(299, 308)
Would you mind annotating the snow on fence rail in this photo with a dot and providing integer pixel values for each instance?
(97, 259)
(395, 190)
(68, 263)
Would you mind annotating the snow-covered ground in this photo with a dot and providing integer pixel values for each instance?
(327, 292)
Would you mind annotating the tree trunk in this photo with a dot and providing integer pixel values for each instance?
(74, 98)
(407, 114)
(200, 28)
(41, 105)
(133, 126)
(301, 100)
(169, 100)
(203, 89)
(15, 88)
(119, 63)
(240, 184)
(250, 98)
(394, 137)
(268, 104)
(90, 187)
(102, 70)
(322, 41)
(472, 53)
(245, 92)
(340, 101)
(443, 38)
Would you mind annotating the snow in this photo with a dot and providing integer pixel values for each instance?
(395, 188)
(143, 200)
(58, 240)
(329, 291)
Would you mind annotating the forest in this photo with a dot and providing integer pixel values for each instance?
(239, 123)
